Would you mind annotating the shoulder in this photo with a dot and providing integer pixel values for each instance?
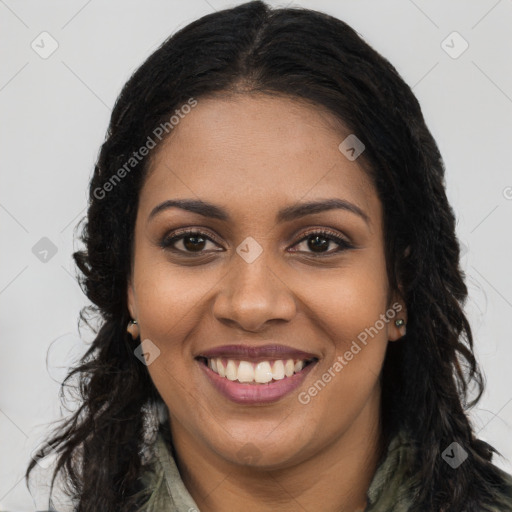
(502, 491)
(395, 487)
(162, 482)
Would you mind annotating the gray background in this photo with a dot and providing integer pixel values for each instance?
(55, 111)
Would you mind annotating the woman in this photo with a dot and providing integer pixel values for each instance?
(274, 259)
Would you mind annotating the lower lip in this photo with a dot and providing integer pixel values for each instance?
(256, 393)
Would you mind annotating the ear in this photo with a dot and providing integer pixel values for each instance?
(130, 299)
(397, 311)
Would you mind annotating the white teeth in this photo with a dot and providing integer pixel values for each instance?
(278, 370)
(220, 368)
(231, 370)
(261, 372)
(245, 372)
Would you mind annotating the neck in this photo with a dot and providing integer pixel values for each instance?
(338, 476)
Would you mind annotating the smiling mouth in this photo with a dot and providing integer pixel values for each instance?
(255, 372)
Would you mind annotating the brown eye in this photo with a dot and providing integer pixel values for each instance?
(194, 242)
(186, 242)
(319, 242)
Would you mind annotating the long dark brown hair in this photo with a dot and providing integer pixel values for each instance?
(427, 378)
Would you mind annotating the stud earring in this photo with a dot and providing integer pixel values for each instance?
(133, 329)
(400, 323)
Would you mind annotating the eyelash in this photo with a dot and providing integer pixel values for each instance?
(167, 242)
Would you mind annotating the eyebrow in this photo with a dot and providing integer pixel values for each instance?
(285, 215)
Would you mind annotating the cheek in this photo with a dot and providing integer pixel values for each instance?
(345, 301)
(346, 306)
(349, 317)
(169, 301)
(169, 297)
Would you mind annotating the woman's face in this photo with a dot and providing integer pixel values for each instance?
(261, 273)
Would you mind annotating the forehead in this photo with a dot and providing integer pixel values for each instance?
(253, 152)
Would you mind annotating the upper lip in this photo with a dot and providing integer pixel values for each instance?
(256, 352)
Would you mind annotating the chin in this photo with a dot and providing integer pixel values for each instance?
(262, 452)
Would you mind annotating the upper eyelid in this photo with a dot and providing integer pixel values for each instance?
(180, 233)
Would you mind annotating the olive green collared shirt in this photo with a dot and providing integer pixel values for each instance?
(390, 489)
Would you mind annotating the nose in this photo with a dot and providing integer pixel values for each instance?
(252, 295)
